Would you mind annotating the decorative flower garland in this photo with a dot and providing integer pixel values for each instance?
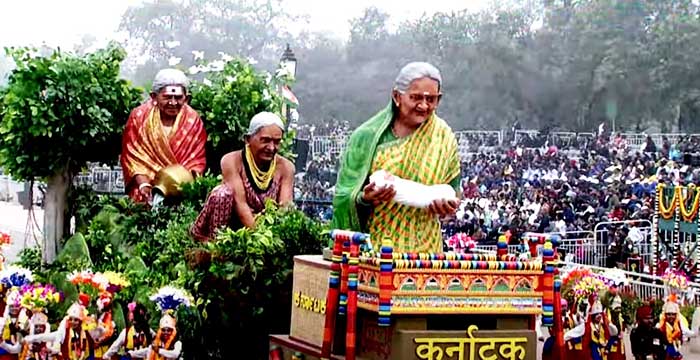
(37, 297)
(588, 286)
(460, 242)
(679, 200)
(675, 280)
(170, 298)
(5, 239)
(667, 212)
(689, 215)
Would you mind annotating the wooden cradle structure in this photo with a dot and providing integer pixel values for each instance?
(385, 305)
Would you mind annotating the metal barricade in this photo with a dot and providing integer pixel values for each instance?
(102, 180)
(468, 139)
(580, 245)
(328, 145)
(519, 134)
(585, 135)
(635, 140)
(602, 236)
(562, 139)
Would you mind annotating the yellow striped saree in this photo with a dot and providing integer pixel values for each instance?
(428, 156)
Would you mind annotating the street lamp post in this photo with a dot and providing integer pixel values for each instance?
(288, 62)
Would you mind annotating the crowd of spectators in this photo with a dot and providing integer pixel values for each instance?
(547, 184)
(330, 128)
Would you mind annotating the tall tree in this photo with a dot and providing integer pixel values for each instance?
(171, 29)
(58, 113)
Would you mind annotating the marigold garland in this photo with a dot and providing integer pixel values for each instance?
(667, 212)
(689, 214)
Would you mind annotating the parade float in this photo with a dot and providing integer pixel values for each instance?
(675, 229)
(380, 305)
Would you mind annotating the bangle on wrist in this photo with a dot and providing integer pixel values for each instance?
(362, 201)
(144, 185)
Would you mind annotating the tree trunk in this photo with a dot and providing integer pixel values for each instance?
(54, 214)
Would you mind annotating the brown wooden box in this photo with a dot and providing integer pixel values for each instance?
(309, 298)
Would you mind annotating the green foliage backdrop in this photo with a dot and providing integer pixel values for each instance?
(227, 100)
(61, 111)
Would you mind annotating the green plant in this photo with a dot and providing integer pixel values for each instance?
(30, 258)
(688, 311)
(58, 113)
(287, 145)
(246, 291)
(630, 303)
(195, 193)
(84, 204)
(227, 100)
(63, 110)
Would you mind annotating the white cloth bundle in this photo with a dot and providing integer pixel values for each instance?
(411, 193)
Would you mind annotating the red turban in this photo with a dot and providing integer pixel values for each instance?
(644, 312)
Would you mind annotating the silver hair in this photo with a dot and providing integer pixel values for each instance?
(167, 77)
(262, 119)
(416, 70)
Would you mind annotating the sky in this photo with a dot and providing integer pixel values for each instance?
(65, 22)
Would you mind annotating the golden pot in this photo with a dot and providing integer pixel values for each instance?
(169, 179)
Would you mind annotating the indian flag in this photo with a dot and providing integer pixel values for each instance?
(289, 95)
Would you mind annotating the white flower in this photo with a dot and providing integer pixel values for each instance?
(225, 57)
(80, 274)
(100, 280)
(206, 82)
(266, 95)
(193, 70)
(231, 79)
(616, 276)
(251, 60)
(172, 44)
(198, 55)
(216, 65)
(268, 77)
(179, 296)
(174, 60)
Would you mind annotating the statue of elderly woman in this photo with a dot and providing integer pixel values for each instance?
(250, 177)
(410, 142)
(163, 137)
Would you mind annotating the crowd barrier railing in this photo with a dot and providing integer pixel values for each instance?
(102, 180)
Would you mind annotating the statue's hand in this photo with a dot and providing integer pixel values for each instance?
(146, 193)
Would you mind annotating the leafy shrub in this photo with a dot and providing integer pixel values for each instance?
(63, 110)
(246, 291)
(243, 293)
(30, 258)
(226, 101)
(195, 193)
